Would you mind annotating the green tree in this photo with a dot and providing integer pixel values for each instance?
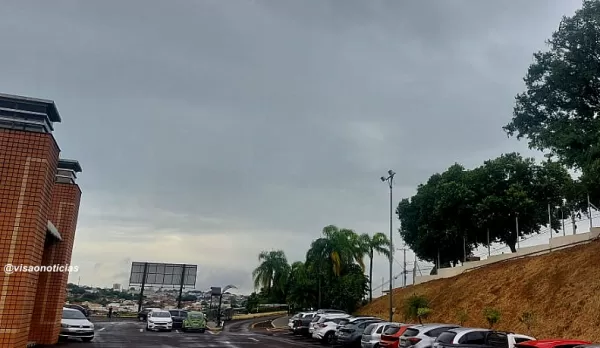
(438, 220)
(378, 243)
(272, 273)
(462, 316)
(329, 254)
(558, 110)
(412, 306)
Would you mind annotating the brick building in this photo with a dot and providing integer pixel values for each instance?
(39, 205)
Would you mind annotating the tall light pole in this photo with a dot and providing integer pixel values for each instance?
(390, 180)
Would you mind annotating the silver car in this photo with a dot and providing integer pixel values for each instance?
(423, 336)
(372, 334)
(461, 335)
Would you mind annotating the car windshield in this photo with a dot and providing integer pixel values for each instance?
(161, 314)
(73, 314)
(195, 316)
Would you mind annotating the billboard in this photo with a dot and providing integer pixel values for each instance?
(162, 274)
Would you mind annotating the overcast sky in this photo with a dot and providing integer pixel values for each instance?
(211, 130)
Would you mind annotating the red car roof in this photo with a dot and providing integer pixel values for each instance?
(551, 343)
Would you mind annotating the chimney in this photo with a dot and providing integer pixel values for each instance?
(67, 171)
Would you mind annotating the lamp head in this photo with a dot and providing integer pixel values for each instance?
(382, 178)
(391, 172)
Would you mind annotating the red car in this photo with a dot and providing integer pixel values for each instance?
(391, 337)
(552, 343)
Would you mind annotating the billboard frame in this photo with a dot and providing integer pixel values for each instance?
(186, 277)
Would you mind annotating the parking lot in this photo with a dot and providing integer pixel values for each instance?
(124, 334)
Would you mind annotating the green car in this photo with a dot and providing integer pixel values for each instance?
(195, 321)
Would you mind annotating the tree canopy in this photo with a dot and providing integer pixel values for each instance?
(452, 212)
(558, 111)
(332, 274)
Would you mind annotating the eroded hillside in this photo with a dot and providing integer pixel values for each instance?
(562, 289)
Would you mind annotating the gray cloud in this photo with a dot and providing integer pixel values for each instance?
(256, 123)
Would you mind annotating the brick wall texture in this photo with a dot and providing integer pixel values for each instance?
(31, 303)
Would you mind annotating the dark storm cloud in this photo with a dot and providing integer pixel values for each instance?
(237, 117)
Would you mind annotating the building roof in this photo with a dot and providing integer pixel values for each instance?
(69, 164)
(51, 108)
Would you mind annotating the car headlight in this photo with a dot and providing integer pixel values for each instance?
(65, 325)
(150, 321)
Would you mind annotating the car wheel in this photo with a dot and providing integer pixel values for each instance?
(169, 330)
(328, 339)
(87, 339)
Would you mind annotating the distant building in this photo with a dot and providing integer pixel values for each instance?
(117, 286)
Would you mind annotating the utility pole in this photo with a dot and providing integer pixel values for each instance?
(517, 226)
(382, 286)
(562, 216)
(438, 261)
(590, 211)
(404, 283)
(488, 242)
(550, 220)
(390, 181)
(464, 249)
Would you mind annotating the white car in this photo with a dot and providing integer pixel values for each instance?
(324, 329)
(75, 325)
(478, 336)
(159, 320)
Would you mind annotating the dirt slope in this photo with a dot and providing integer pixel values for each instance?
(562, 289)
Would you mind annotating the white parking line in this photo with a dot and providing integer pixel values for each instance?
(177, 331)
(102, 329)
(252, 338)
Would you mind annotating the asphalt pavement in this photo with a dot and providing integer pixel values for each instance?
(124, 334)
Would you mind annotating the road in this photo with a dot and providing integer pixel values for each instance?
(125, 334)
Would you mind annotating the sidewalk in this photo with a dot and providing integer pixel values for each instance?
(281, 323)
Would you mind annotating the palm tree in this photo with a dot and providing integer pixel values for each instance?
(379, 243)
(336, 249)
(272, 271)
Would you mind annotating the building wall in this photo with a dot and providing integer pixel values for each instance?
(28, 164)
(51, 294)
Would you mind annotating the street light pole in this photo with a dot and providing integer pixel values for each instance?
(390, 181)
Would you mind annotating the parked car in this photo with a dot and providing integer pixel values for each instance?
(352, 320)
(320, 318)
(324, 330)
(463, 337)
(86, 311)
(178, 316)
(143, 314)
(552, 343)
(159, 320)
(306, 316)
(423, 336)
(372, 334)
(75, 324)
(351, 334)
(194, 321)
(330, 311)
(302, 324)
(391, 336)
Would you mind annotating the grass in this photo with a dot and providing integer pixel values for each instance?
(561, 289)
(257, 315)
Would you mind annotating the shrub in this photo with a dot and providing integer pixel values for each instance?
(423, 313)
(462, 316)
(492, 316)
(412, 305)
(528, 319)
